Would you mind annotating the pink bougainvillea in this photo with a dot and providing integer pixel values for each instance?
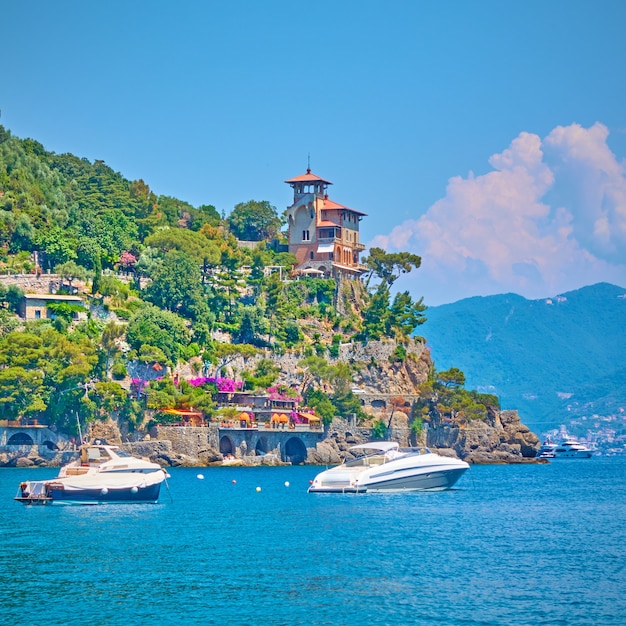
(223, 384)
(127, 260)
(284, 393)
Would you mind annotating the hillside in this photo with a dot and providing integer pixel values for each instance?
(554, 359)
(180, 309)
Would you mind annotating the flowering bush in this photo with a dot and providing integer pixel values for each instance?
(284, 393)
(222, 384)
(127, 260)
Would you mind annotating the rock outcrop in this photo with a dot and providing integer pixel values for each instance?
(501, 439)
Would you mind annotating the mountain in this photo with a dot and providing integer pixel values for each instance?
(555, 360)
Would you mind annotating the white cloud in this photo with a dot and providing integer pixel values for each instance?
(537, 224)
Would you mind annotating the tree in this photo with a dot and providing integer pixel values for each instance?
(70, 272)
(406, 315)
(176, 286)
(205, 214)
(323, 405)
(250, 327)
(12, 296)
(57, 244)
(265, 374)
(397, 404)
(111, 333)
(21, 390)
(225, 353)
(389, 267)
(162, 329)
(315, 369)
(194, 244)
(451, 378)
(376, 314)
(254, 221)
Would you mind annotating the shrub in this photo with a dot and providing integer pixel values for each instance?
(119, 371)
(399, 354)
(123, 314)
(379, 429)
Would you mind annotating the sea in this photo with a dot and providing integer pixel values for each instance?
(509, 545)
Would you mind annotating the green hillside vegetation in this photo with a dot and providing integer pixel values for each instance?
(553, 360)
(162, 278)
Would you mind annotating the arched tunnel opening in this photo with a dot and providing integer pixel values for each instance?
(262, 447)
(295, 451)
(227, 446)
(20, 439)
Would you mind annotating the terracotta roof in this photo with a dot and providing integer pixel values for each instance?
(331, 204)
(308, 177)
(325, 223)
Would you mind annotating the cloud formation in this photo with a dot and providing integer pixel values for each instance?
(548, 218)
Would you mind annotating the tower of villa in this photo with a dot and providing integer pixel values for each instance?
(323, 234)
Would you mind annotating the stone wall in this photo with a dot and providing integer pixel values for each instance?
(33, 283)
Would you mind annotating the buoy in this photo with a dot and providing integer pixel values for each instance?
(286, 483)
(104, 491)
(200, 477)
(134, 490)
(234, 482)
(258, 488)
(310, 482)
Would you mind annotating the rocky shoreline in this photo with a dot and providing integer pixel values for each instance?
(502, 439)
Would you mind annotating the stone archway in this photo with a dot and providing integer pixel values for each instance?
(262, 447)
(20, 439)
(295, 451)
(50, 445)
(226, 445)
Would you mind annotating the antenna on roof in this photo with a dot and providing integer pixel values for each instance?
(308, 163)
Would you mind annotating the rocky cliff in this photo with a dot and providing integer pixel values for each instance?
(387, 388)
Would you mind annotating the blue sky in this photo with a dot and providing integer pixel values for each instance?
(488, 137)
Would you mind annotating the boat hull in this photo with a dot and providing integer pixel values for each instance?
(439, 480)
(429, 479)
(58, 491)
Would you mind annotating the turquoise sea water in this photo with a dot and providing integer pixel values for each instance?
(540, 544)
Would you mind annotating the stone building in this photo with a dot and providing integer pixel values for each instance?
(34, 306)
(323, 234)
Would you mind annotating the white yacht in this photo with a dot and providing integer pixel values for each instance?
(546, 451)
(572, 449)
(102, 474)
(567, 449)
(384, 467)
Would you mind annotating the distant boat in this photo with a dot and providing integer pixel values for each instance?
(387, 467)
(546, 451)
(567, 449)
(102, 474)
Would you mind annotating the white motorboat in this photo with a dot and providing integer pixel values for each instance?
(102, 474)
(385, 467)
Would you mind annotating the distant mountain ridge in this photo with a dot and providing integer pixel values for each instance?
(553, 359)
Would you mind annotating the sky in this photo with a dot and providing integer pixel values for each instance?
(487, 137)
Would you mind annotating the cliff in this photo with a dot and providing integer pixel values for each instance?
(387, 388)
